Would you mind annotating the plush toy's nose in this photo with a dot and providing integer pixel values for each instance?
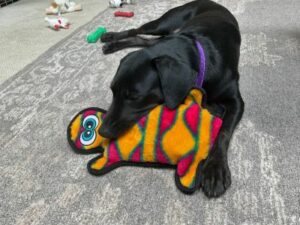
(104, 131)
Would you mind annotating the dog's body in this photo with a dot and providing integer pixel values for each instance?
(166, 70)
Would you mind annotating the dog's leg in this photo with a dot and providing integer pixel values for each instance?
(129, 42)
(166, 24)
(216, 176)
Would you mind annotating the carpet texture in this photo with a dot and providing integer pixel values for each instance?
(24, 34)
(44, 182)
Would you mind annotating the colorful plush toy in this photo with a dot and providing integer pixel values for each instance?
(96, 35)
(180, 138)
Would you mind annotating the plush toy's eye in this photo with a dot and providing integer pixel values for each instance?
(87, 137)
(90, 122)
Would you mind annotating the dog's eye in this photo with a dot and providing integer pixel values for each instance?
(130, 95)
(133, 97)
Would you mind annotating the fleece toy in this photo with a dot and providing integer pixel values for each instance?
(56, 23)
(180, 138)
(96, 35)
(123, 14)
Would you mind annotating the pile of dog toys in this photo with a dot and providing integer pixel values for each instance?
(57, 8)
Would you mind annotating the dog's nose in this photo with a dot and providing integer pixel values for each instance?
(106, 132)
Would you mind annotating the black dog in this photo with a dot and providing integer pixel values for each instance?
(166, 70)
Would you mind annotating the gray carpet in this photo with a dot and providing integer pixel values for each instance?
(22, 27)
(44, 182)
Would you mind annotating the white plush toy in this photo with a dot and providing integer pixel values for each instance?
(119, 3)
(59, 22)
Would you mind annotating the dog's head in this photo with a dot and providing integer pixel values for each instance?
(141, 83)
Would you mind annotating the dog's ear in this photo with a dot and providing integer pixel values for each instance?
(176, 79)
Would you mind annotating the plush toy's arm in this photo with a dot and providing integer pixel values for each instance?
(187, 176)
(188, 169)
(98, 165)
(109, 160)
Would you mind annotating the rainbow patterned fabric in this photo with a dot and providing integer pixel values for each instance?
(180, 138)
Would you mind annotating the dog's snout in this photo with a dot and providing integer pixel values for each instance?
(104, 131)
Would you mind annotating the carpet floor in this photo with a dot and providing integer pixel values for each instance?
(44, 182)
(25, 35)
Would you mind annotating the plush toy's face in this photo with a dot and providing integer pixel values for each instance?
(84, 130)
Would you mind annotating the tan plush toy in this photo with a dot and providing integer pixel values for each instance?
(63, 6)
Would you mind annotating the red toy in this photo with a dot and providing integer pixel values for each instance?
(124, 14)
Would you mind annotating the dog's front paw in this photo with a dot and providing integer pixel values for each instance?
(108, 48)
(216, 178)
(108, 37)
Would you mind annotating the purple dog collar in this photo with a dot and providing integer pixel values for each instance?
(201, 73)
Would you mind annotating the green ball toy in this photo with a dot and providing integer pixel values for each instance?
(94, 36)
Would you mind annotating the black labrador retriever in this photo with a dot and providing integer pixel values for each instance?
(165, 71)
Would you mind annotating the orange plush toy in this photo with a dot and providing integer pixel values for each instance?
(180, 138)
